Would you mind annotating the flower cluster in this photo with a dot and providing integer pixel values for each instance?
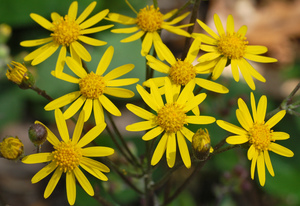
(172, 101)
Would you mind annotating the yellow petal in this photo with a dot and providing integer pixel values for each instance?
(171, 150)
(62, 101)
(177, 19)
(253, 107)
(246, 74)
(261, 109)
(105, 60)
(98, 111)
(109, 106)
(119, 71)
(87, 108)
(52, 182)
(253, 49)
(49, 50)
(187, 133)
(36, 42)
(95, 29)
(92, 41)
(119, 92)
(242, 30)
(125, 30)
(209, 57)
(175, 30)
(275, 119)
(87, 11)
(268, 163)
(61, 62)
(42, 21)
(141, 126)
(152, 133)
(121, 19)
(261, 169)
(91, 135)
(50, 136)
(81, 51)
(194, 101)
(121, 82)
(230, 24)
(242, 120)
(147, 98)
(94, 164)
(245, 113)
(71, 187)
(200, 119)
(251, 152)
(157, 65)
(78, 128)
(37, 158)
(147, 43)
(278, 149)
(36, 52)
(133, 37)
(258, 58)
(94, 19)
(74, 107)
(211, 86)
(207, 29)
(94, 172)
(83, 181)
(156, 94)
(193, 51)
(235, 70)
(280, 135)
(245, 64)
(183, 149)
(160, 150)
(97, 151)
(140, 112)
(72, 12)
(253, 164)
(184, 95)
(76, 68)
(219, 68)
(237, 139)
(219, 25)
(61, 125)
(231, 127)
(44, 172)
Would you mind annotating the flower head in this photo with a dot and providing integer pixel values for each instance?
(258, 134)
(93, 88)
(20, 75)
(231, 47)
(66, 33)
(181, 72)
(149, 22)
(201, 144)
(170, 119)
(68, 156)
(11, 148)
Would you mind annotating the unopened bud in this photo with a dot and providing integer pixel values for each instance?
(20, 75)
(37, 134)
(201, 144)
(11, 148)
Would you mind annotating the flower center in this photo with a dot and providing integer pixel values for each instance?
(149, 19)
(260, 136)
(65, 31)
(67, 156)
(92, 86)
(171, 117)
(182, 72)
(232, 46)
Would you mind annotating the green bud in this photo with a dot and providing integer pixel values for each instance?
(37, 134)
(201, 145)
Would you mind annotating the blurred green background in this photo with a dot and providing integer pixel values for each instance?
(225, 178)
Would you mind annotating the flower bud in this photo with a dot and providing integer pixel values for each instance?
(20, 75)
(201, 144)
(37, 134)
(5, 33)
(11, 148)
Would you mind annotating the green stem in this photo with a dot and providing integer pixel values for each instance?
(191, 28)
(181, 9)
(124, 144)
(155, 4)
(41, 92)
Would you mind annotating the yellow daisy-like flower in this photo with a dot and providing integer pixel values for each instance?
(182, 72)
(68, 156)
(66, 32)
(93, 87)
(258, 134)
(170, 118)
(149, 22)
(232, 47)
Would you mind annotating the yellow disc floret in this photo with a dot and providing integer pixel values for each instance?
(260, 136)
(65, 31)
(149, 19)
(92, 86)
(67, 156)
(171, 117)
(182, 72)
(232, 46)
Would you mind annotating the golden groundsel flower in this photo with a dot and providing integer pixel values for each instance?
(170, 118)
(20, 75)
(66, 32)
(232, 47)
(69, 156)
(93, 88)
(149, 22)
(258, 134)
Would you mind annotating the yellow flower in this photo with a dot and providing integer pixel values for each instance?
(66, 32)
(20, 75)
(149, 22)
(182, 72)
(68, 156)
(11, 148)
(170, 118)
(258, 134)
(93, 87)
(231, 47)
(201, 146)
